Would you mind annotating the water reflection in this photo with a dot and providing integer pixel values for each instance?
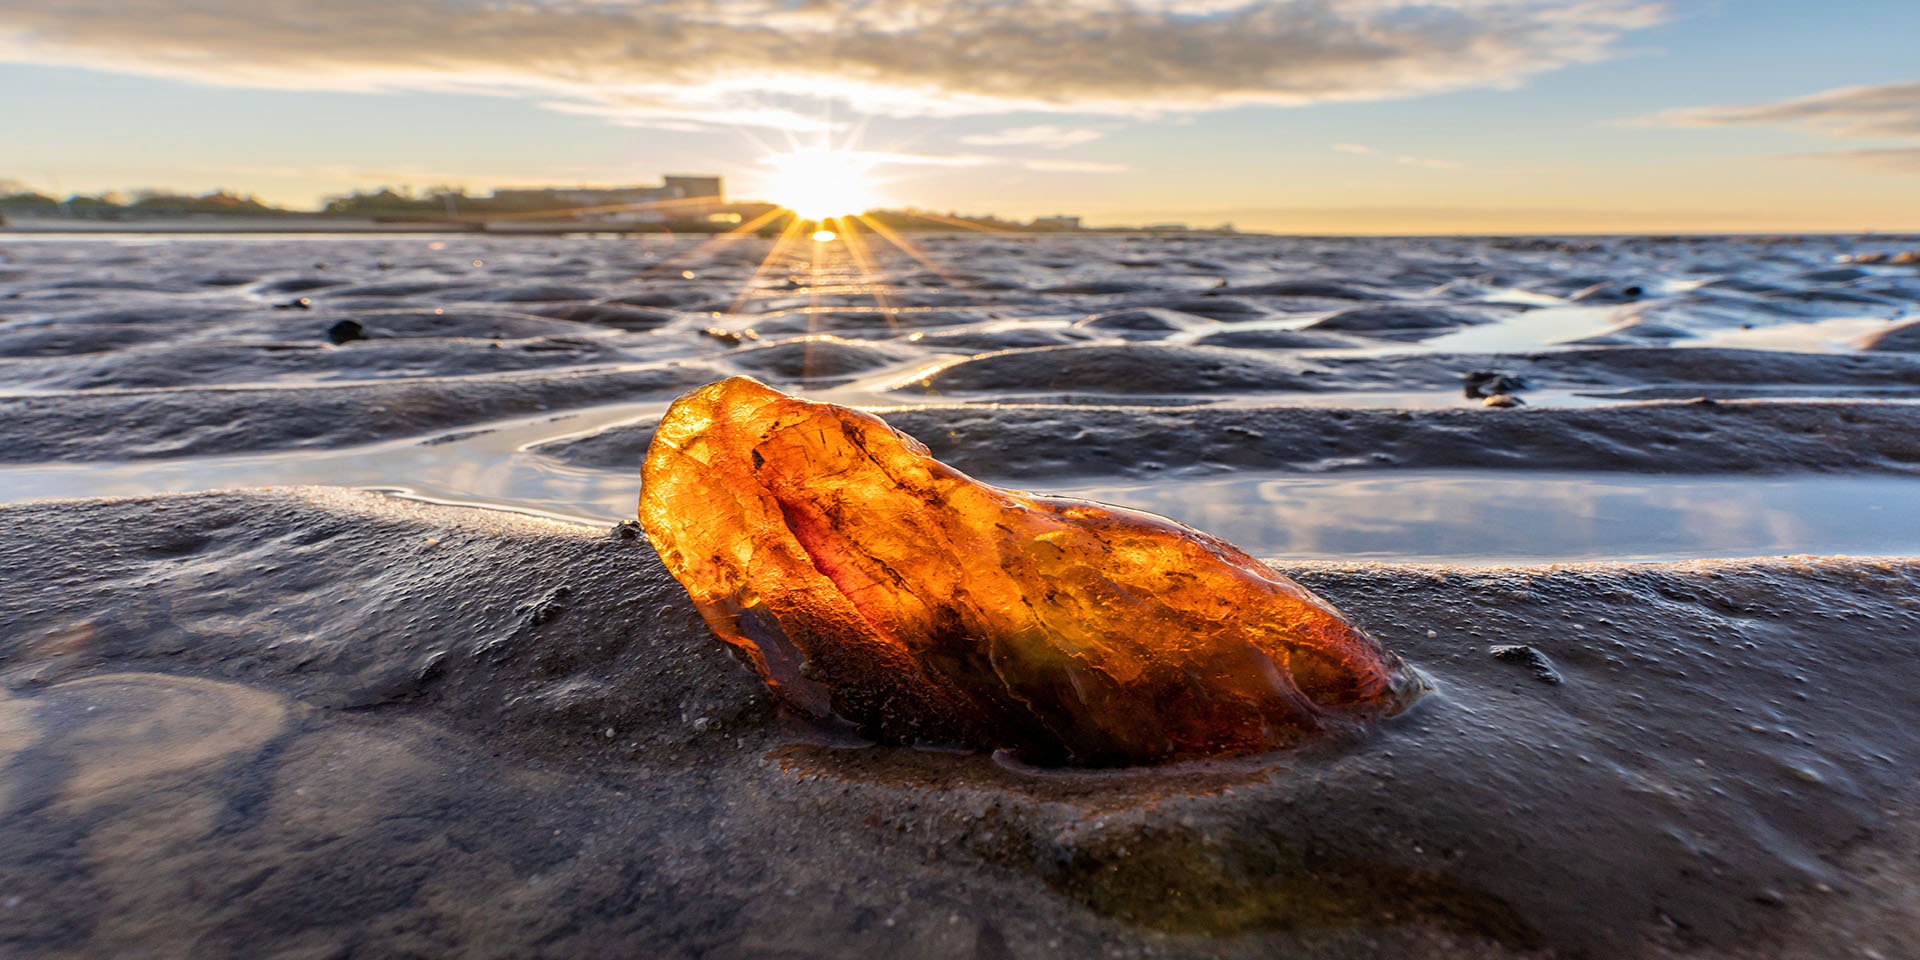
(487, 466)
(1478, 516)
(1490, 517)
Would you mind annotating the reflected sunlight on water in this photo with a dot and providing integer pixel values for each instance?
(1452, 515)
(1483, 516)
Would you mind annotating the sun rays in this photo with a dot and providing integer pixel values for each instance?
(829, 241)
(817, 183)
(837, 257)
(824, 242)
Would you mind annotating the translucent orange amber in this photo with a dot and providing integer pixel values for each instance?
(861, 578)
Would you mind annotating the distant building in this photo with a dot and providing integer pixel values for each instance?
(678, 197)
(689, 187)
(1056, 222)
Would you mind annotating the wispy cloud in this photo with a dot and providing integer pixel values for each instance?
(1047, 136)
(694, 62)
(1883, 160)
(1887, 111)
(1046, 165)
(1405, 159)
(658, 116)
(882, 158)
(1074, 166)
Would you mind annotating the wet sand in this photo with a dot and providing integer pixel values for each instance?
(315, 721)
(287, 720)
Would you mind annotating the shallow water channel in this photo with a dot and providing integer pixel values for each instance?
(1461, 516)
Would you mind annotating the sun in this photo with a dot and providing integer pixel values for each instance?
(818, 183)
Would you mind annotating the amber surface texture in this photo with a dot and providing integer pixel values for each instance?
(866, 581)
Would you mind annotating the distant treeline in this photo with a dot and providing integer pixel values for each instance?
(385, 202)
(156, 203)
(433, 202)
(441, 203)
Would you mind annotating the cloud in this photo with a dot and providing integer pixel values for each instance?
(764, 62)
(1047, 136)
(1074, 166)
(1888, 110)
(662, 116)
(1884, 160)
(868, 159)
(879, 157)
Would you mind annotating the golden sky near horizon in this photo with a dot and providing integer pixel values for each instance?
(1340, 116)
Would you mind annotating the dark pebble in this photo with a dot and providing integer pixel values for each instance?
(1526, 656)
(347, 330)
(1486, 383)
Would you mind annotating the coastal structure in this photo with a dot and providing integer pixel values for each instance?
(678, 197)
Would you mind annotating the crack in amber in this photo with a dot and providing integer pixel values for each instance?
(863, 579)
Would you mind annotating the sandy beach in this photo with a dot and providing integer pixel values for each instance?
(327, 632)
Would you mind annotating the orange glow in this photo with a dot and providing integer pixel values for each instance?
(710, 245)
(823, 236)
(863, 260)
(780, 247)
(904, 246)
(863, 579)
(818, 183)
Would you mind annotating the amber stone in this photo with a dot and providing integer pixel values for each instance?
(864, 580)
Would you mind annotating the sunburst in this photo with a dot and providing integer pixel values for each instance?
(817, 183)
(826, 197)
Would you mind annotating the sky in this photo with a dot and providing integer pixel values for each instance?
(1313, 116)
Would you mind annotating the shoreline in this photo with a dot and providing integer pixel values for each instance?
(507, 227)
(350, 226)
